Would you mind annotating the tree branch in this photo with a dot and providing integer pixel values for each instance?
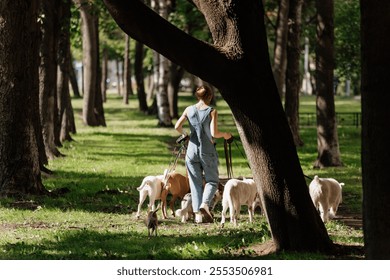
(196, 56)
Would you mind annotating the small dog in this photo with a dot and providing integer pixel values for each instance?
(217, 196)
(326, 194)
(152, 222)
(236, 193)
(176, 184)
(151, 186)
(186, 209)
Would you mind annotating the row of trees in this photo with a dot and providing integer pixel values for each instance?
(285, 24)
(237, 63)
(101, 40)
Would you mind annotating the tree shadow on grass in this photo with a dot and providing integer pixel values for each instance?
(87, 244)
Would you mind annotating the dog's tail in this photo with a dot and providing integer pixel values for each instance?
(144, 183)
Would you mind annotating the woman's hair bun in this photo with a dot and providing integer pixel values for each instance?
(203, 91)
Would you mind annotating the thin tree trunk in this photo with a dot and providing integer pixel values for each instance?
(73, 79)
(48, 77)
(127, 72)
(118, 77)
(104, 74)
(93, 114)
(176, 74)
(164, 118)
(139, 76)
(99, 110)
(293, 79)
(327, 138)
(64, 104)
(280, 54)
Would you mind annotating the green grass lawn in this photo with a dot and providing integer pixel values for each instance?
(103, 167)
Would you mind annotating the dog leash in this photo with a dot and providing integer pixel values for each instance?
(181, 141)
(227, 144)
(228, 157)
(238, 148)
(307, 177)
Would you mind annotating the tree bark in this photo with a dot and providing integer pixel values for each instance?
(128, 89)
(104, 74)
(93, 114)
(65, 109)
(48, 77)
(280, 50)
(73, 79)
(176, 74)
(139, 76)
(293, 79)
(327, 138)
(238, 65)
(164, 118)
(118, 77)
(19, 87)
(375, 27)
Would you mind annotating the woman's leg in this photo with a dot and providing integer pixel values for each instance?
(196, 183)
(211, 174)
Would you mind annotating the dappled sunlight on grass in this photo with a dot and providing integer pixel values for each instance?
(91, 214)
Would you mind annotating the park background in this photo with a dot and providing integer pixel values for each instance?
(92, 174)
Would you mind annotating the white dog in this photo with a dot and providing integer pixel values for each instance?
(236, 193)
(326, 194)
(186, 208)
(151, 186)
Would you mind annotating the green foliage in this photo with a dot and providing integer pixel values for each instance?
(91, 214)
(347, 38)
(75, 33)
(188, 18)
(346, 34)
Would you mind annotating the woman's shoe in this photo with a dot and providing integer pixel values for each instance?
(204, 209)
(198, 218)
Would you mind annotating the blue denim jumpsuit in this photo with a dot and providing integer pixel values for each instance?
(201, 157)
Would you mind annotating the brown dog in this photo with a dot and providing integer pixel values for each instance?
(152, 222)
(176, 184)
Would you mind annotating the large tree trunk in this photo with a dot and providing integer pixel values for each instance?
(280, 53)
(327, 138)
(375, 127)
(238, 65)
(19, 87)
(293, 79)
